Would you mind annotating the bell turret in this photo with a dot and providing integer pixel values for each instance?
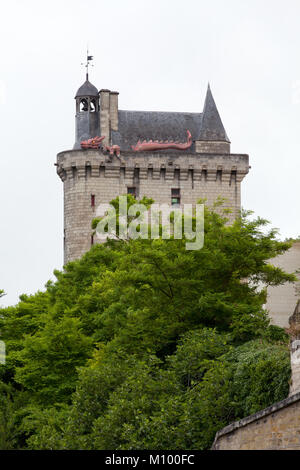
(87, 112)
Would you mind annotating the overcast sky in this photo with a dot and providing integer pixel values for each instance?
(159, 55)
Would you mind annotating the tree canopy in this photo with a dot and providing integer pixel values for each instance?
(142, 344)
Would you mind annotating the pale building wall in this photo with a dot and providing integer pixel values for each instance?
(281, 300)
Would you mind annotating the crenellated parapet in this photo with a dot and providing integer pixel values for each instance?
(92, 177)
(74, 164)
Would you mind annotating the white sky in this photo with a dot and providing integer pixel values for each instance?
(159, 54)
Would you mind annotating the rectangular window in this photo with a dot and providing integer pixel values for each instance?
(175, 196)
(93, 200)
(232, 177)
(132, 191)
(92, 240)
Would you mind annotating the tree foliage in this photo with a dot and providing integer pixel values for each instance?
(142, 344)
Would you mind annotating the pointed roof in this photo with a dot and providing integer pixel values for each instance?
(212, 127)
(87, 89)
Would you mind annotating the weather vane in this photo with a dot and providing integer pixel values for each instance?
(89, 58)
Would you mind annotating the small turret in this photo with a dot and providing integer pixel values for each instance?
(87, 112)
(212, 137)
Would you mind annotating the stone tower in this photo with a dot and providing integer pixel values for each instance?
(180, 171)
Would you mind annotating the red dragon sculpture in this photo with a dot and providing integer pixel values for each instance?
(163, 145)
(93, 143)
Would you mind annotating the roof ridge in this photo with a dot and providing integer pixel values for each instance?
(166, 112)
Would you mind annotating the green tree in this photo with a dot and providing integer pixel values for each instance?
(153, 406)
(50, 359)
(143, 344)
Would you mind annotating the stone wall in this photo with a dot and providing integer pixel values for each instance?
(90, 172)
(275, 428)
(203, 146)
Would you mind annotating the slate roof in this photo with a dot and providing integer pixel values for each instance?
(87, 89)
(146, 125)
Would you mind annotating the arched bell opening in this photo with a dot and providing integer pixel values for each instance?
(87, 104)
(94, 105)
(84, 105)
